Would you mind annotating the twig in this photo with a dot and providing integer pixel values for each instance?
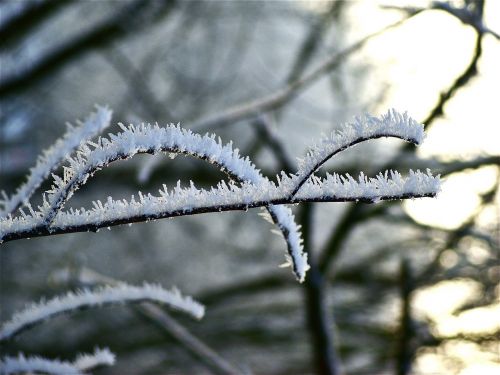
(32, 14)
(52, 157)
(161, 318)
(192, 201)
(190, 342)
(116, 27)
(84, 299)
(405, 351)
(34, 364)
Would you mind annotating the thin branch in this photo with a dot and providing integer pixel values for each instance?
(171, 139)
(192, 201)
(194, 345)
(35, 364)
(83, 299)
(129, 19)
(463, 14)
(283, 96)
(255, 190)
(52, 157)
(318, 318)
(391, 124)
(314, 39)
(405, 349)
(161, 318)
(274, 142)
(33, 14)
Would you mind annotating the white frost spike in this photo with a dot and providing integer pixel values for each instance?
(391, 124)
(100, 357)
(52, 157)
(35, 364)
(121, 293)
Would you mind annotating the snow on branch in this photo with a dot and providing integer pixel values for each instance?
(52, 157)
(392, 124)
(85, 298)
(36, 364)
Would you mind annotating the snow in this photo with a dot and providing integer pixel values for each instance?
(122, 293)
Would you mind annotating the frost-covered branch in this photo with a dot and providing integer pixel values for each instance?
(391, 124)
(172, 139)
(225, 197)
(36, 364)
(51, 158)
(159, 316)
(86, 298)
(100, 357)
(253, 189)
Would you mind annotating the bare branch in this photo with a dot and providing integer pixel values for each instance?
(281, 97)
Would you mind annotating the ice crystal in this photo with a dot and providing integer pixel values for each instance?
(36, 364)
(392, 124)
(53, 156)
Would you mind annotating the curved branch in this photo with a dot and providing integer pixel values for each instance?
(35, 364)
(52, 157)
(121, 293)
(392, 124)
(171, 139)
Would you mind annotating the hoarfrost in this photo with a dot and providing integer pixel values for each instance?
(121, 293)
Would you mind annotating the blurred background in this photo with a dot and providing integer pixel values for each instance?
(396, 287)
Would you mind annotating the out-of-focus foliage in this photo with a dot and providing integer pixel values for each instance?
(394, 286)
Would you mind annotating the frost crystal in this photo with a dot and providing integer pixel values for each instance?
(391, 124)
(52, 157)
(85, 362)
(121, 293)
(35, 364)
